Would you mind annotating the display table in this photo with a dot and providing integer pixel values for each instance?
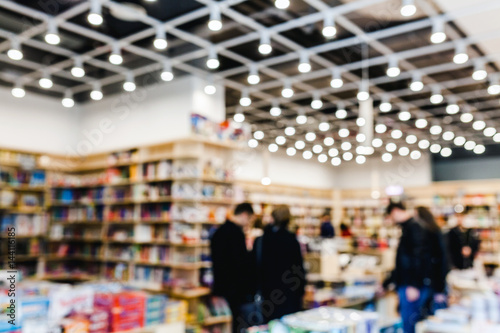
(163, 328)
(426, 327)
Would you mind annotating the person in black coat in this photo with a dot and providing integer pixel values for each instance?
(280, 273)
(327, 230)
(232, 262)
(463, 245)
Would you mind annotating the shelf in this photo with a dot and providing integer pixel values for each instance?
(211, 321)
(190, 293)
(68, 277)
(79, 222)
(55, 257)
(23, 210)
(56, 203)
(77, 239)
(23, 257)
(23, 188)
(23, 236)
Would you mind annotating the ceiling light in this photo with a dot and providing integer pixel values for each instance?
(160, 42)
(52, 35)
(347, 156)
(469, 145)
(478, 125)
(259, 135)
(411, 139)
(380, 128)
(344, 132)
(266, 181)
(479, 71)
(167, 74)
(15, 52)
(96, 93)
(307, 155)
(129, 84)
(436, 97)
(494, 87)
(287, 90)
(421, 123)
(329, 29)
(310, 136)
(479, 149)
(438, 36)
(446, 152)
(265, 44)
(253, 75)
(461, 56)
(273, 147)
(385, 106)
(489, 131)
(363, 94)
(341, 113)
(360, 159)
(328, 141)
(67, 100)
(245, 98)
(360, 137)
(95, 16)
(316, 103)
(452, 108)
(290, 131)
(346, 145)
(215, 22)
(448, 135)
(77, 69)
(336, 161)
(386, 157)
(324, 126)
(365, 150)
(281, 140)
(301, 119)
(393, 68)
(239, 117)
(416, 83)
(336, 81)
(275, 110)
(317, 149)
(404, 115)
(424, 144)
(116, 55)
(300, 145)
(436, 130)
(210, 89)
(466, 117)
(408, 8)
(459, 141)
(282, 4)
(18, 91)
(396, 134)
(377, 142)
(415, 155)
(391, 147)
(404, 151)
(46, 82)
(252, 143)
(435, 148)
(213, 59)
(332, 152)
(290, 151)
(304, 65)
(496, 137)
(360, 121)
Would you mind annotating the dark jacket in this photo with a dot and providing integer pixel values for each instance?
(231, 264)
(439, 259)
(327, 230)
(457, 239)
(280, 274)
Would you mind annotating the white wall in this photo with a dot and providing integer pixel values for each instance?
(36, 123)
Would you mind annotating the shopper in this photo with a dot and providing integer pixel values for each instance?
(280, 271)
(345, 231)
(463, 245)
(413, 272)
(440, 267)
(327, 230)
(232, 262)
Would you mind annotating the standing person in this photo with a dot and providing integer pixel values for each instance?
(280, 272)
(440, 267)
(463, 245)
(413, 272)
(327, 230)
(232, 262)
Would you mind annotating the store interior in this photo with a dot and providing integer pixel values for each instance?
(130, 132)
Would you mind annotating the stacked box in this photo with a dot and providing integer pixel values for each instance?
(75, 324)
(176, 311)
(128, 310)
(98, 320)
(155, 310)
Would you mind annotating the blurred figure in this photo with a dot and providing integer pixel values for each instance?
(327, 230)
(440, 269)
(463, 245)
(280, 273)
(345, 231)
(413, 272)
(232, 262)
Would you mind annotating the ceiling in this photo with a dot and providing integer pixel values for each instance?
(370, 34)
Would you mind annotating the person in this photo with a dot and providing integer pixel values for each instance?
(413, 270)
(463, 245)
(280, 272)
(439, 258)
(345, 231)
(231, 261)
(327, 230)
